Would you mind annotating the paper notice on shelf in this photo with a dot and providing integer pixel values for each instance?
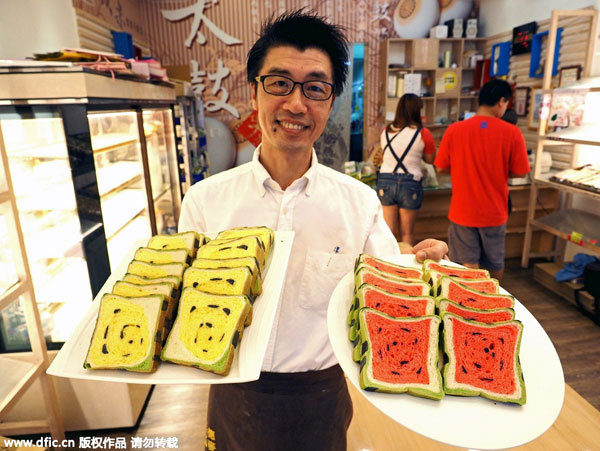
(440, 88)
(412, 84)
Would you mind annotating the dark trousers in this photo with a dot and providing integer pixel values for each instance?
(308, 411)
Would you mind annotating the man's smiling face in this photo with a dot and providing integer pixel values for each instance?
(292, 123)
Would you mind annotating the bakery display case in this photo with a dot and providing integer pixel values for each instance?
(120, 177)
(38, 160)
(162, 167)
(92, 162)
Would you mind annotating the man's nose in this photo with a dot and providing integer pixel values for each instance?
(296, 100)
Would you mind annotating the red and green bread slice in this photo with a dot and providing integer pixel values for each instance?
(486, 285)
(405, 272)
(468, 297)
(455, 271)
(472, 314)
(391, 284)
(400, 354)
(483, 359)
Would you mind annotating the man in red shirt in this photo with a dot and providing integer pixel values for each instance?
(480, 154)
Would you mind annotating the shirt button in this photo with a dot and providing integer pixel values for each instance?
(285, 210)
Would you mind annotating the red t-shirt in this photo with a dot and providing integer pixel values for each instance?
(480, 153)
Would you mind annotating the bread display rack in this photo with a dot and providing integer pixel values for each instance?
(18, 376)
(567, 223)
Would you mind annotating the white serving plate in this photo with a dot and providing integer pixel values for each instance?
(468, 422)
(248, 358)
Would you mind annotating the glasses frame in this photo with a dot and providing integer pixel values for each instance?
(261, 79)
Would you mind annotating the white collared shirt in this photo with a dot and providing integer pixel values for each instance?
(334, 217)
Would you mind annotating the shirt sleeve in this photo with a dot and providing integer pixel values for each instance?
(427, 138)
(442, 159)
(380, 240)
(519, 162)
(190, 218)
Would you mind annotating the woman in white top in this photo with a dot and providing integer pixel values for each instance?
(405, 142)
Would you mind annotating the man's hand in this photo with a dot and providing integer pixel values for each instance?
(429, 249)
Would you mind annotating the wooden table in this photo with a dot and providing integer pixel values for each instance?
(576, 428)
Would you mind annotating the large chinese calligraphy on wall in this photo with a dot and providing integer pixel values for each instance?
(204, 35)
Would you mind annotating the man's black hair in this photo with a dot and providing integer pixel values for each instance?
(301, 30)
(494, 90)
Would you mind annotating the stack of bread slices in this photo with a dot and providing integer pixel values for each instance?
(205, 288)
(399, 329)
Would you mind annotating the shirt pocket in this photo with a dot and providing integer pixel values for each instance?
(322, 272)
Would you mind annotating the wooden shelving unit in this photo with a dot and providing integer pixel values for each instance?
(565, 221)
(18, 376)
(444, 101)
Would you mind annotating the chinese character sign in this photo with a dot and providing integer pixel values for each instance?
(197, 11)
(198, 86)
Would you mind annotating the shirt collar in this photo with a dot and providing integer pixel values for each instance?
(262, 176)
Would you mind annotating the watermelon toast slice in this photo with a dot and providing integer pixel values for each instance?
(472, 314)
(396, 305)
(490, 286)
(387, 267)
(391, 284)
(483, 359)
(456, 292)
(400, 354)
(466, 273)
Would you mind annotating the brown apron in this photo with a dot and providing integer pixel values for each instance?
(309, 411)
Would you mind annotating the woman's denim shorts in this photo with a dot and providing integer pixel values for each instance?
(401, 190)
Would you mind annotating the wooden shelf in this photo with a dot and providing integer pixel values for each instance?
(563, 223)
(544, 181)
(544, 273)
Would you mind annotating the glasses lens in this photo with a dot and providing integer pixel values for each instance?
(274, 84)
(317, 90)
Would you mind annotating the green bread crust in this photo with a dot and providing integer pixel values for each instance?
(162, 256)
(445, 303)
(359, 302)
(446, 282)
(153, 270)
(436, 276)
(155, 304)
(360, 262)
(175, 351)
(190, 240)
(434, 390)
(429, 265)
(248, 246)
(452, 387)
(265, 234)
(250, 262)
(364, 270)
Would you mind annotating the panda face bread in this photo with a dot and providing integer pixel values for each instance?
(127, 334)
(207, 330)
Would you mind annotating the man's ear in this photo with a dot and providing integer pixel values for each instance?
(253, 89)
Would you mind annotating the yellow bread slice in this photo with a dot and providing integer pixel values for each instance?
(250, 262)
(219, 281)
(249, 246)
(140, 280)
(153, 270)
(166, 289)
(161, 256)
(207, 330)
(266, 235)
(186, 240)
(128, 333)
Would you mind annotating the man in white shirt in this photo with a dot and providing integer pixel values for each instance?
(295, 70)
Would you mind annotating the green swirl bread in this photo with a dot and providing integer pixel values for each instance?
(162, 256)
(207, 330)
(266, 235)
(249, 246)
(186, 240)
(128, 333)
(250, 262)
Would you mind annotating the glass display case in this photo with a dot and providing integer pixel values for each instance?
(162, 167)
(38, 161)
(92, 162)
(121, 183)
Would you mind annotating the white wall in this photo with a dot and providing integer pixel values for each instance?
(498, 16)
(36, 26)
